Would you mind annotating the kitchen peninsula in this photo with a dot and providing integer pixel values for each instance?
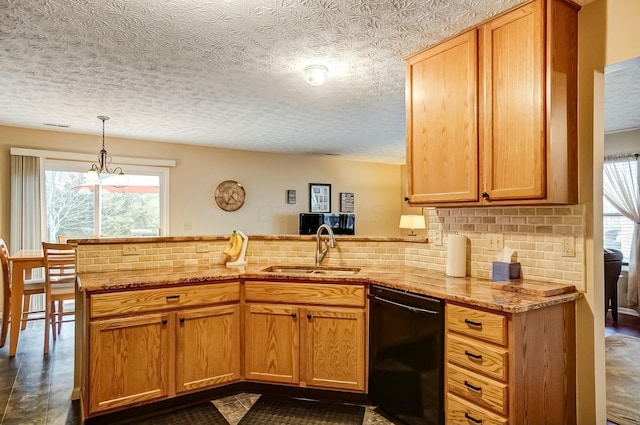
(177, 321)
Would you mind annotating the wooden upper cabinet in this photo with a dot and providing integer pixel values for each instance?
(512, 139)
(442, 135)
(512, 50)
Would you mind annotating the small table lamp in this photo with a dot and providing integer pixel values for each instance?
(412, 222)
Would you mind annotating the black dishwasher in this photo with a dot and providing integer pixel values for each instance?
(406, 355)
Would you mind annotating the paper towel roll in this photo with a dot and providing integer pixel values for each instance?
(456, 256)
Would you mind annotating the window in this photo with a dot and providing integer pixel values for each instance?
(76, 209)
(616, 227)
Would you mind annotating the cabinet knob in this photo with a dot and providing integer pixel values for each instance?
(164, 321)
(309, 316)
(485, 195)
(294, 315)
(182, 320)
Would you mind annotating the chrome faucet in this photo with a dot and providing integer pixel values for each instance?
(330, 243)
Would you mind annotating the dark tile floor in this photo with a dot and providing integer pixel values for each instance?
(36, 389)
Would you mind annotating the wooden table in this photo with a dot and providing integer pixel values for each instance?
(21, 262)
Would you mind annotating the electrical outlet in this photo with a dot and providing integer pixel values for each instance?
(435, 237)
(495, 241)
(130, 250)
(203, 247)
(569, 246)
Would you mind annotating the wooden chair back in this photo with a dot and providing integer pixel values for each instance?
(60, 264)
(60, 281)
(6, 291)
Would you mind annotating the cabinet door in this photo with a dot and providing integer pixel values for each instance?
(207, 347)
(271, 343)
(128, 361)
(514, 133)
(334, 341)
(442, 145)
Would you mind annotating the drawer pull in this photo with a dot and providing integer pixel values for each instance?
(173, 298)
(472, 419)
(477, 357)
(473, 324)
(472, 387)
(309, 316)
(182, 320)
(164, 321)
(294, 315)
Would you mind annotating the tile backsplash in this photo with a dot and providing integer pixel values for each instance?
(536, 233)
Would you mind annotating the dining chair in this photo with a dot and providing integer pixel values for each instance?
(60, 283)
(31, 287)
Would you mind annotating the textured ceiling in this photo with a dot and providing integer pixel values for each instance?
(224, 73)
(622, 96)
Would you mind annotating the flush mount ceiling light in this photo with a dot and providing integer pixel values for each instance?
(104, 162)
(315, 75)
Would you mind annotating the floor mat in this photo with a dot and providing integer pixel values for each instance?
(200, 414)
(272, 410)
(623, 379)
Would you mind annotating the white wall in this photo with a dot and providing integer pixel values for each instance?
(266, 178)
(623, 142)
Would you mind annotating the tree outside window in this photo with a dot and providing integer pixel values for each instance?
(72, 212)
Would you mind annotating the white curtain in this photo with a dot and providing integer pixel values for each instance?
(26, 221)
(621, 188)
(25, 203)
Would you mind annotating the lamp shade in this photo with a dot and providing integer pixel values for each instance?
(412, 222)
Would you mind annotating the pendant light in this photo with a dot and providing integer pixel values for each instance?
(104, 162)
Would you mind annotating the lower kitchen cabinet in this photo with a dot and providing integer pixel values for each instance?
(128, 361)
(307, 345)
(334, 343)
(138, 354)
(514, 368)
(271, 343)
(207, 347)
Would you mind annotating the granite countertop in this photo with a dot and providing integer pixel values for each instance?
(510, 297)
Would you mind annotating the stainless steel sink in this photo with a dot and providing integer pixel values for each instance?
(312, 270)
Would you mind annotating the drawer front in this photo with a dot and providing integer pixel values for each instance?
(305, 293)
(483, 391)
(116, 303)
(490, 327)
(477, 356)
(461, 412)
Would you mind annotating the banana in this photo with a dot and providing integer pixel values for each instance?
(234, 246)
(237, 245)
(229, 247)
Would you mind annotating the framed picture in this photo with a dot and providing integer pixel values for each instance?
(346, 202)
(319, 198)
(291, 196)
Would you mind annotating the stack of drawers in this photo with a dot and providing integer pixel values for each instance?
(477, 366)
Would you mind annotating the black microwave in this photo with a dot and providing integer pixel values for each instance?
(341, 224)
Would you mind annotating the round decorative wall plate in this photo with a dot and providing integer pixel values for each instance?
(230, 195)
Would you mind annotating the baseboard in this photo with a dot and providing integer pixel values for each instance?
(76, 394)
(628, 311)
